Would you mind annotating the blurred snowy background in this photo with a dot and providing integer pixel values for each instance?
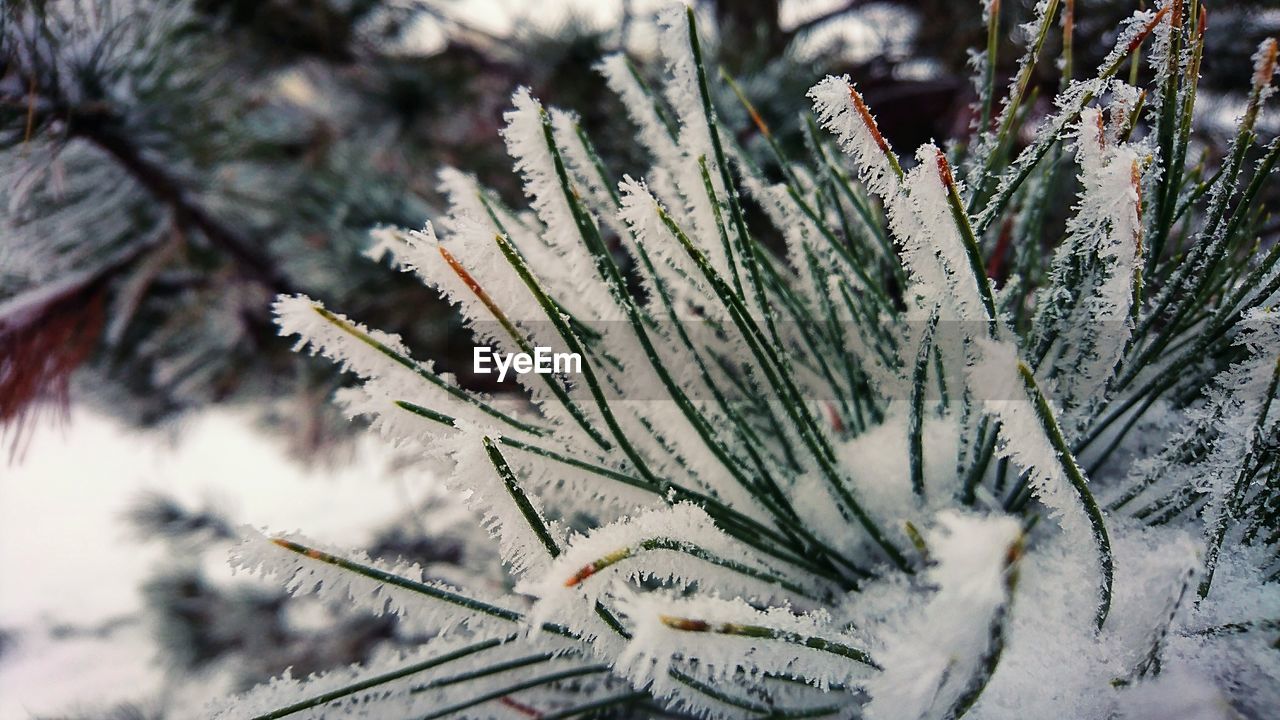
(167, 167)
(75, 621)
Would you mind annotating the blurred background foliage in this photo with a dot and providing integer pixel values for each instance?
(168, 167)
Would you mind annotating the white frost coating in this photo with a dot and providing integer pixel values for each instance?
(285, 689)
(474, 247)
(1239, 592)
(302, 574)
(695, 141)
(564, 486)
(675, 278)
(682, 81)
(1103, 237)
(862, 342)
(1022, 437)
(419, 252)
(570, 587)
(464, 194)
(1069, 104)
(475, 250)
(301, 316)
(488, 496)
(650, 585)
(987, 139)
(467, 211)
(1057, 648)
(838, 111)
(1264, 68)
(1235, 408)
(920, 220)
(1176, 694)
(386, 380)
(527, 144)
(721, 650)
(652, 132)
(934, 236)
(806, 246)
(971, 555)
(1124, 100)
(443, 681)
(1225, 431)
(376, 402)
(561, 485)
(1158, 597)
(928, 274)
(678, 449)
(688, 288)
(1107, 215)
(578, 160)
(932, 660)
(423, 253)
(469, 234)
(466, 208)
(1161, 45)
(883, 471)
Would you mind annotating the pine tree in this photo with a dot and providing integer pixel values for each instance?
(193, 158)
(169, 166)
(857, 477)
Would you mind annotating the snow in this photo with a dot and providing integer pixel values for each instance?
(1023, 438)
(74, 561)
(932, 661)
